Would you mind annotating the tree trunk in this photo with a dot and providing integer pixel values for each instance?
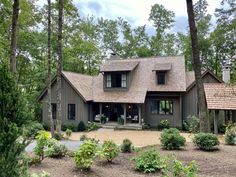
(60, 63)
(15, 15)
(49, 71)
(203, 113)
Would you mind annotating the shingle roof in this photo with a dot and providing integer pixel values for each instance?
(162, 67)
(220, 96)
(116, 65)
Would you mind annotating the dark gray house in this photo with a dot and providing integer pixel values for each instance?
(142, 90)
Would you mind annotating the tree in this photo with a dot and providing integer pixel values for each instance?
(60, 63)
(13, 116)
(203, 115)
(49, 71)
(15, 15)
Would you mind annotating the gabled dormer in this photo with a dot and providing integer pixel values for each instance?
(161, 70)
(117, 74)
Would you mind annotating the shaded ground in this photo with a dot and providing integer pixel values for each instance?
(139, 138)
(220, 163)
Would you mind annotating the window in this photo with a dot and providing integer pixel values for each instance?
(160, 78)
(108, 81)
(123, 80)
(54, 110)
(163, 107)
(116, 80)
(71, 111)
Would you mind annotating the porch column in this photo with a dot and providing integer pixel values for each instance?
(124, 108)
(100, 110)
(139, 114)
(216, 115)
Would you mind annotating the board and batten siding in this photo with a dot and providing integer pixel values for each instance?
(175, 119)
(190, 107)
(69, 96)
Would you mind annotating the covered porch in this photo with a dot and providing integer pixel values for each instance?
(124, 114)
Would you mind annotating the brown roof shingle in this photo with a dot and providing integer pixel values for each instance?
(116, 65)
(220, 96)
(162, 67)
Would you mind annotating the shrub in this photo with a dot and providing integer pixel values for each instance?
(103, 119)
(85, 155)
(55, 150)
(32, 160)
(72, 127)
(42, 140)
(81, 126)
(32, 129)
(91, 126)
(176, 168)
(58, 136)
(46, 127)
(126, 146)
(110, 150)
(68, 132)
(206, 141)
(148, 161)
(83, 137)
(171, 139)
(146, 127)
(163, 124)
(192, 124)
(222, 128)
(120, 121)
(43, 174)
(230, 135)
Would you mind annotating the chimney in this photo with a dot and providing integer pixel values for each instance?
(226, 70)
(114, 56)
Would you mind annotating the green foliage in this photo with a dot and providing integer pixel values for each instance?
(91, 126)
(85, 155)
(32, 129)
(148, 161)
(32, 160)
(103, 119)
(68, 132)
(176, 168)
(109, 150)
(46, 127)
(192, 124)
(55, 150)
(120, 121)
(13, 117)
(163, 124)
(43, 174)
(146, 127)
(58, 136)
(230, 135)
(206, 141)
(171, 139)
(222, 128)
(126, 146)
(42, 141)
(83, 137)
(81, 126)
(72, 127)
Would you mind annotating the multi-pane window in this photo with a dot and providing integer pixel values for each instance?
(71, 111)
(123, 80)
(108, 82)
(163, 107)
(160, 77)
(116, 80)
(54, 110)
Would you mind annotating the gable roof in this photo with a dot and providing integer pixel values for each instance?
(220, 96)
(162, 67)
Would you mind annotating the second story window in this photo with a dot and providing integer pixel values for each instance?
(161, 78)
(116, 80)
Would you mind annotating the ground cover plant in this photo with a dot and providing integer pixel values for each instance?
(171, 139)
(55, 150)
(126, 146)
(206, 141)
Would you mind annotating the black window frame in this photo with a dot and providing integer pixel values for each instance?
(111, 80)
(159, 107)
(161, 77)
(71, 113)
(54, 110)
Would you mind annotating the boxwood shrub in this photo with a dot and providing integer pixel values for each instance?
(81, 126)
(163, 124)
(171, 139)
(206, 141)
(126, 146)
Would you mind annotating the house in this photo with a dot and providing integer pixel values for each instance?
(141, 90)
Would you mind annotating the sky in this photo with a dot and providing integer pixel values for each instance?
(136, 12)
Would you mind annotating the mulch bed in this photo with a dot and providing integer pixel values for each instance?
(220, 163)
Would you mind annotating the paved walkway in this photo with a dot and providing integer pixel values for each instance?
(139, 138)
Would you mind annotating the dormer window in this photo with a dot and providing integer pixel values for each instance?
(161, 78)
(116, 80)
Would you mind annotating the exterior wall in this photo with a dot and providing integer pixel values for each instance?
(190, 107)
(69, 96)
(154, 119)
